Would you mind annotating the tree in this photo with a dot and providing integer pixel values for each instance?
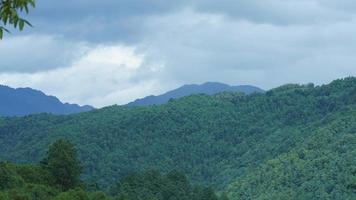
(224, 196)
(203, 193)
(8, 177)
(10, 14)
(63, 165)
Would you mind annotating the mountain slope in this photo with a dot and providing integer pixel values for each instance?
(25, 101)
(247, 143)
(322, 167)
(208, 88)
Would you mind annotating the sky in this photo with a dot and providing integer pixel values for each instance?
(114, 51)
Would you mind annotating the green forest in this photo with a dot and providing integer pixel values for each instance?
(57, 177)
(291, 142)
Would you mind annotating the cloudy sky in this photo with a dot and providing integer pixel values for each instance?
(113, 51)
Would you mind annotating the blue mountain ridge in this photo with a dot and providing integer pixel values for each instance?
(26, 101)
(209, 88)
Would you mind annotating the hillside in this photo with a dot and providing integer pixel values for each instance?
(260, 146)
(208, 88)
(321, 167)
(26, 101)
(57, 177)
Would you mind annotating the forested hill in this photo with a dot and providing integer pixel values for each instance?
(292, 142)
(208, 88)
(57, 177)
(26, 101)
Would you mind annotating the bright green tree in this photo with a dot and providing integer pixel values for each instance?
(10, 11)
(63, 165)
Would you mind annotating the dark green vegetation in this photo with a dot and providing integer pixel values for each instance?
(57, 177)
(10, 11)
(292, 142)
(153, 185)
(321, 166)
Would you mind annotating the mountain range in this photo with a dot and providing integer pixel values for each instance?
(25, 101)
(291, 142)
(209, 88)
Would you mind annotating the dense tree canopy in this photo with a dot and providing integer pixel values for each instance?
(10, 14)
(289, 141)
(62, 163)
(55, 178)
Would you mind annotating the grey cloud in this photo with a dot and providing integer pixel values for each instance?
(123, 20)
(342, 5)
(98, 21)
(216, 48)
(35, 53)
(278, 12)
(265, 43)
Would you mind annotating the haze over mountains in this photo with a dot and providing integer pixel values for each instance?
(25, 101)
(209, 88)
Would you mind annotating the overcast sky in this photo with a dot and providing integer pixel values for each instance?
(114, 51)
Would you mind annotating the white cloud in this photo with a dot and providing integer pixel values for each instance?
(105, 75)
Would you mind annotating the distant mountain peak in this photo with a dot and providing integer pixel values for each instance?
(26, 101)
(209, 88)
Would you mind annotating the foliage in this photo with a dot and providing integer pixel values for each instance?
(323, 167)
(62, 164)
(10, 14)
(154, 185)
(32, 182)
(9, 177)
(295, 141)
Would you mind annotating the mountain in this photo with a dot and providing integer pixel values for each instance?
(26, 101)
(208, 88)
(291, 142)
